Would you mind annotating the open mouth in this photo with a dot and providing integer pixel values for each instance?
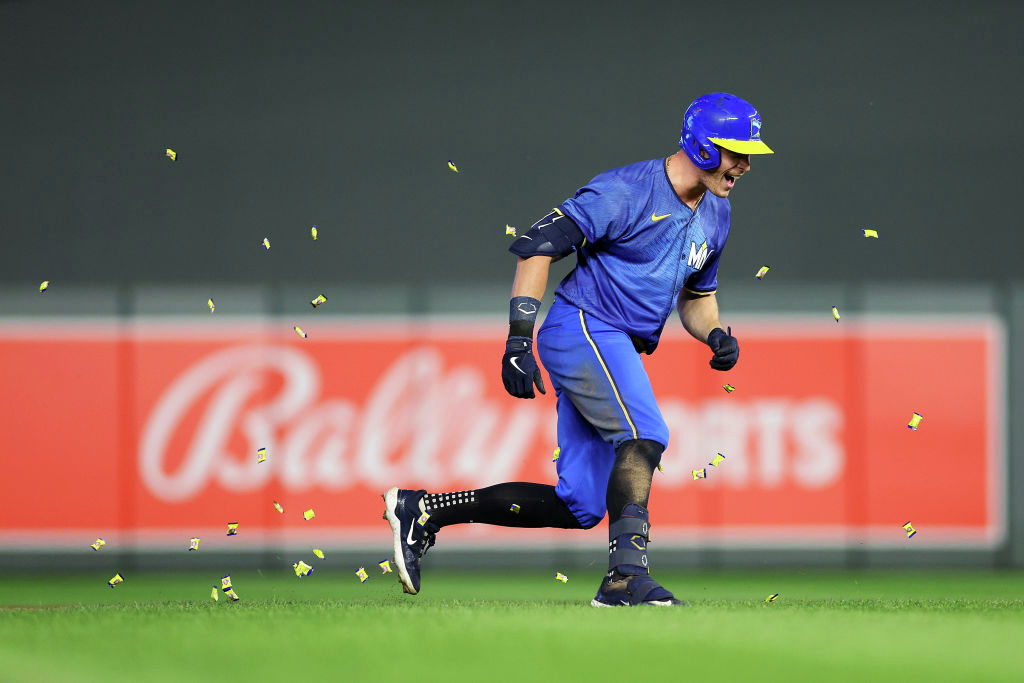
(730, 180)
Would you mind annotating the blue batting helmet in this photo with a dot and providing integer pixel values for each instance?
(720, 119)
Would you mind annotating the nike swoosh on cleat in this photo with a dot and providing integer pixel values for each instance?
(516, 365)
(655, 217)
(409, 538)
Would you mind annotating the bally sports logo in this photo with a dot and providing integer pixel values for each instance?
(440, 426)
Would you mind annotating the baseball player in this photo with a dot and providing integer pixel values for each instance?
(648, 238)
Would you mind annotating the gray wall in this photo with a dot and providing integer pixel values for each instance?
(903, 116)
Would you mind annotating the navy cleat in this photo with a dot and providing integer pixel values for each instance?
(403, 510)
(618, 590)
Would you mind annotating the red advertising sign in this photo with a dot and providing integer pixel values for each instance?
(147, 433)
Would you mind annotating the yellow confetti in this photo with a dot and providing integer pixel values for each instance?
(915, 420)
(98, 544)
(451, 165)
(266, 243)
(909, 528)
(361, 573)
(232, 594)
(298, 331)
(115, 580)
(835, 313)
(559, 576)
(209, 302)
(717, 460)
(422, 521)
(868, 232)
(699, 474)
(312, 231)
(509, 230)
(225, 582)
(193, 543)
(232, 528)
(661, 468)
(261, 454)
(43, 285)
(728, 388)
(308, 514)
(385, 566)
(171, 154)
(554, 456)
(319, 553)
(761, 273)
(302, 569)
(277, 506)
(214, 594)
(515, 508)
(772, 598)
(320, 299)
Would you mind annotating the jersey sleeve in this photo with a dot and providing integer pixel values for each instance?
(599, 208)
(705, 280)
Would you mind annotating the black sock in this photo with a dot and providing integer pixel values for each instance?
(519, 504)
(630, 480)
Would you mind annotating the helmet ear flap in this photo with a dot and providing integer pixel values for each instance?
(703, 154)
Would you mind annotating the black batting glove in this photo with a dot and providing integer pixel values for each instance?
(519, 369)
(726, 348)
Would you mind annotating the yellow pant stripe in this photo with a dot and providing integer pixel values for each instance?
(608, 374)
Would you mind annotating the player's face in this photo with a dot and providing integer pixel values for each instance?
(721, 180)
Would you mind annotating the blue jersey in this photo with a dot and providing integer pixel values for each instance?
(643, 246)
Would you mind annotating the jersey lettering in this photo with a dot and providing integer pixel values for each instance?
(698, 257)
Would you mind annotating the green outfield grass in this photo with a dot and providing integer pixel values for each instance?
(834, 626)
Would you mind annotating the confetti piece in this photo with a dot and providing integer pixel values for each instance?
(277, 506)
(209, 302)
(554, 456)
(451, 165)
(214, 594)
(868, 232)
(422, 521)
(915, 420)
(699, 474)
(772, 598)
(308, 514)
(231, 594)
(319, 553)
(728, 388)
(171, 154)
(98, 544)
(559, 576)
(232, 528)
(193, 544)
(261, 454)
(266, 243)
(717, 460)
(762, 272)
(298, 331)
(385, 566)
(43, 285)
(312, 231)
(320, 299)
(835, 313)
(225, 582)
(361, 573)
(909, 528)
(302, 569)
(509, 230)
(661, 468)
(515, 508)
(115, 580)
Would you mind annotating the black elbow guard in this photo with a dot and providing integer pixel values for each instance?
(555, 235)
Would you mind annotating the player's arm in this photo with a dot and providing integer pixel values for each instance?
(550, 238)
(699, 314)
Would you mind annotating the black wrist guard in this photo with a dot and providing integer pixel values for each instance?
(522, 315)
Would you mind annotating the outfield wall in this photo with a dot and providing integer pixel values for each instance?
(141, 425)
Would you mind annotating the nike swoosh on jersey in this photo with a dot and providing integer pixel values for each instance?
(655, 217)
(512, 360)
